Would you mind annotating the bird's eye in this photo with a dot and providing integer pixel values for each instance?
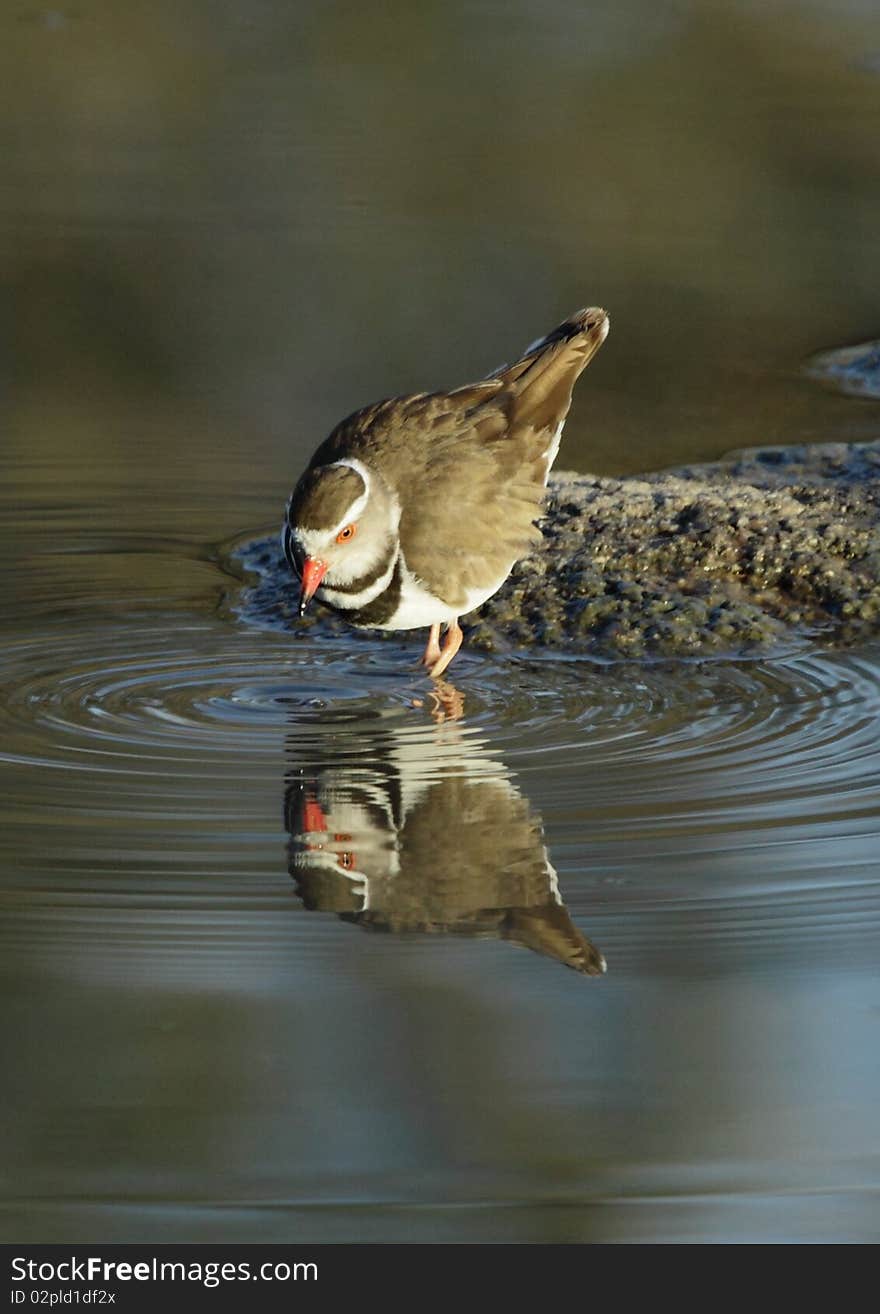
(346, 861)
(345, 534)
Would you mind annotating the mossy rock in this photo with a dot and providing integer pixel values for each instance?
(735, 557)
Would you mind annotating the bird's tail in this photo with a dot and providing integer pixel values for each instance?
(540, 383)
(568, 348)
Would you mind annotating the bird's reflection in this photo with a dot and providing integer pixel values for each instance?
(407, 825)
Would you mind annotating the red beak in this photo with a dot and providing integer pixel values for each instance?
(313, 572)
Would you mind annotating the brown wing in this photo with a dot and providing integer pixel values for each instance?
(470, 466)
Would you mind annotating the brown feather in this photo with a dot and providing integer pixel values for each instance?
(320, 501)
(469, 467)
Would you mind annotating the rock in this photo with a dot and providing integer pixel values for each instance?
(853, 370)
(733, 557)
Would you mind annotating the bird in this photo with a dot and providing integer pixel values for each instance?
(415, 509)
(427, 833)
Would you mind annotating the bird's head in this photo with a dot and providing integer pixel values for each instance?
(339, 527)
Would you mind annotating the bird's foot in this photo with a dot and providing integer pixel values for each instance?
(451, 645)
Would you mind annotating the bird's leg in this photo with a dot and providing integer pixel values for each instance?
(451, 645)
(432, 651)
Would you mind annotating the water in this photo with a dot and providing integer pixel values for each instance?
(286, 956)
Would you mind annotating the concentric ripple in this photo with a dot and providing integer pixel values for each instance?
(147, 761)
(143, 694)
(712, 743)
(703, 747)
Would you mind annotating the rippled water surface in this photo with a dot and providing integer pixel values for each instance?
(204, 827)
(288, 953)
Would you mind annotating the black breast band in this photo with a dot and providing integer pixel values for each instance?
(382, 608)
